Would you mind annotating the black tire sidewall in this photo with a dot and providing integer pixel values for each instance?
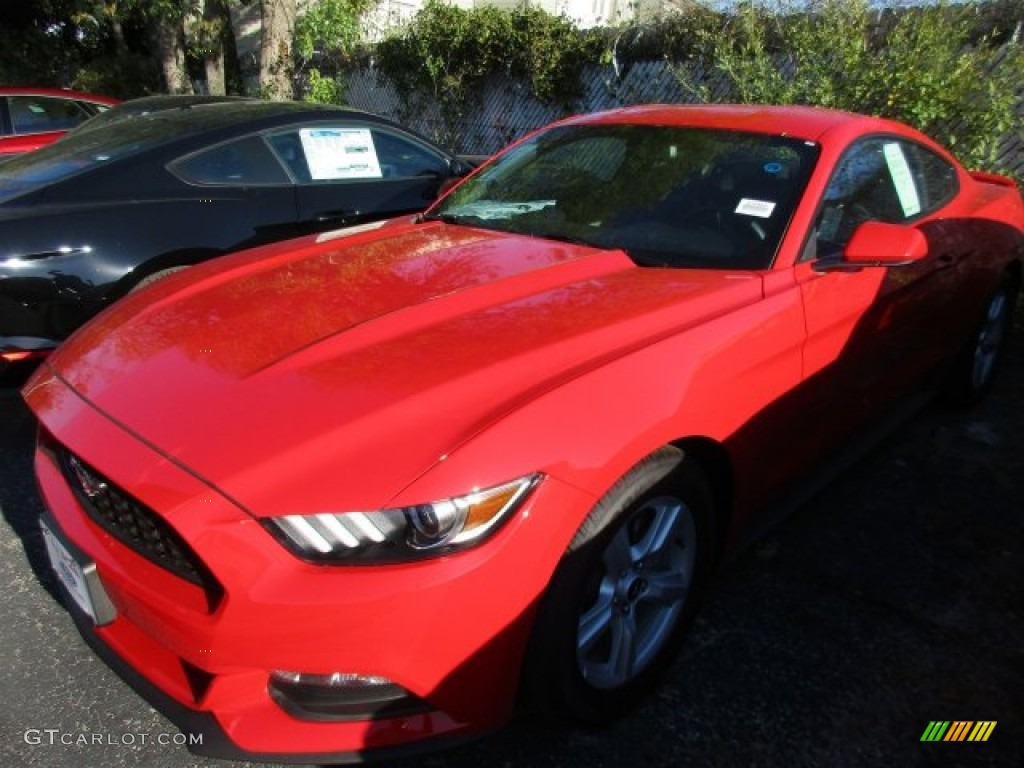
(554, 684)
(961, 389)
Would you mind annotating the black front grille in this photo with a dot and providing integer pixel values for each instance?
(136, 525)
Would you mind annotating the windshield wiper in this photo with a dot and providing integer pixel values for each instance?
(447, 218)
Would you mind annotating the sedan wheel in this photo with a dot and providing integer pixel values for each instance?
(619, 601)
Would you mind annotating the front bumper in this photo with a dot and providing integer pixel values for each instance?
(450, 631)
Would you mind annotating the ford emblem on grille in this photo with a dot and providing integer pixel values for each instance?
(91, 485)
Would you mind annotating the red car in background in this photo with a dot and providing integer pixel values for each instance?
(348, 496)
(31, 118)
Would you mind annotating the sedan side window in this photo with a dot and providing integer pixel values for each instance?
(873, 181)
(403, 158)
(353, 152)
(39, 114)
(238, 163)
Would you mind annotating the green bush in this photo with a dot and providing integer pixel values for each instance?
(448, 54)
(927, 66)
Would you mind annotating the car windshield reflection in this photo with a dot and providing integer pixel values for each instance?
(667, 196)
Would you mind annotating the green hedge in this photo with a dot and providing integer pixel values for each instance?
(952, 70)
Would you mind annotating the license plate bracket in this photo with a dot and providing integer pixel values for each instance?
(78, 576)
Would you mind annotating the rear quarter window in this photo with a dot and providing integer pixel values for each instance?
(237, 163)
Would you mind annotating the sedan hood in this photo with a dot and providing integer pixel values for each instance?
(366, 358)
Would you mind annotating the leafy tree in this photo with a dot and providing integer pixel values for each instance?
(208, 35)
(166, 20)
(329, 30)
(276, 66)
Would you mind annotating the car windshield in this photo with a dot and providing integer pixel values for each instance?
(669, 196)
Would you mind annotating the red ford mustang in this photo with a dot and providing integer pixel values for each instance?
(347, 496)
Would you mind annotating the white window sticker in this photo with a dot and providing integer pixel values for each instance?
(760, 208)
(901, 179)
(340, 153)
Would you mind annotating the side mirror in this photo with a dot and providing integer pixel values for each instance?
(460, 167)
(878, 244)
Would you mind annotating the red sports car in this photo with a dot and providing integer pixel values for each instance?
(347, 496)
(31, 118)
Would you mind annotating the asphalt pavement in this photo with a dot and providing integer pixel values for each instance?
(893, 599)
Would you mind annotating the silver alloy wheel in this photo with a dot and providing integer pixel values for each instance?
(990, 340)
(648, 572)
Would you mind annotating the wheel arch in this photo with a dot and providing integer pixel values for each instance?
(716, 464)
(185, 257)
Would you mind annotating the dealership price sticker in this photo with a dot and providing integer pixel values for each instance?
(340, 153)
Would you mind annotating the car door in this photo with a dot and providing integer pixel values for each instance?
(244, 196)
(872, 333)
(350, 172)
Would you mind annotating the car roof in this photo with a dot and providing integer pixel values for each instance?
(212, 115)
(809, 123)
(61, 93)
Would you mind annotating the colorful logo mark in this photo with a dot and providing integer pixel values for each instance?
(958, 730)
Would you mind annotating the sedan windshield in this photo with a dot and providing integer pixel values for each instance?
(668, 196)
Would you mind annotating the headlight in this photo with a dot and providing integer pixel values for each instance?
(407, 533)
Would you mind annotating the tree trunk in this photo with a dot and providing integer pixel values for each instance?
(169, 36)
(276, 48)
(215, 21)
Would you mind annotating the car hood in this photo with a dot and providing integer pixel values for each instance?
(354, 363)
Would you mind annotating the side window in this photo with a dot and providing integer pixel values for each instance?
(327, 153)
(352, 152)
(936, 179)
(243, 162)
(288, 147)
(404, 158)
(873, 182)
(93, 107)
(38, 114)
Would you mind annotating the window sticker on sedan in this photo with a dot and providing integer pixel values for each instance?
(760, 208)
(901, 179)
(340, 153)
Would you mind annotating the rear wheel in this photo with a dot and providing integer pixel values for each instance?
(975, 370)
(615, 611)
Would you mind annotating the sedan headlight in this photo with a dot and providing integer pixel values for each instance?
(406, 533)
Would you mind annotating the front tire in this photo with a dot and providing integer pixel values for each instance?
(614, 614)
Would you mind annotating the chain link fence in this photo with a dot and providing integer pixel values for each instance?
(506, 110)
